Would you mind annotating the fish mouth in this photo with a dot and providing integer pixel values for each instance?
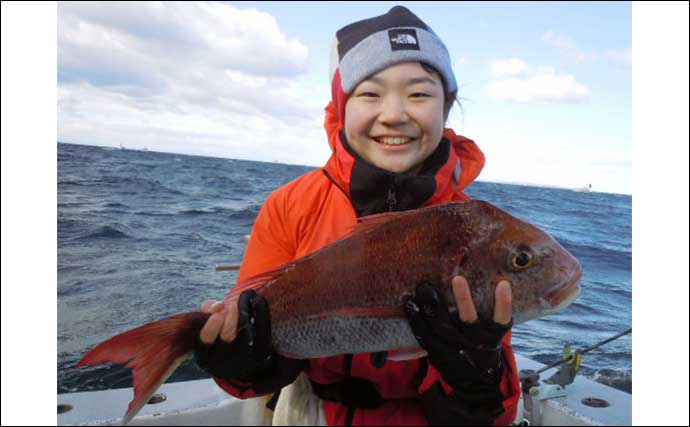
(555, 301)
(565, 294)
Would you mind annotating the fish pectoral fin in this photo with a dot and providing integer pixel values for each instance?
(407, 354)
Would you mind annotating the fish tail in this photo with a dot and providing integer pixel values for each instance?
(153, 351)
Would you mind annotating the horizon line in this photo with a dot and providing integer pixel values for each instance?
(526, 184)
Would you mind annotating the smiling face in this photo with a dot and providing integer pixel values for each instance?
(394, 119)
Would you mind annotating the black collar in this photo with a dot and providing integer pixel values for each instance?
(374, 190)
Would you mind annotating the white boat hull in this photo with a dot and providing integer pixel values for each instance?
(202, 402)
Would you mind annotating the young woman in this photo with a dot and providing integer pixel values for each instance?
(392, 90)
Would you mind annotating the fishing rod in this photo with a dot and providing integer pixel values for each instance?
(534, 393)
(586, 350)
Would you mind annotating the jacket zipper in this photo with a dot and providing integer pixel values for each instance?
(391, 200)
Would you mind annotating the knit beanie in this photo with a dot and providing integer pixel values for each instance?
(366, 47)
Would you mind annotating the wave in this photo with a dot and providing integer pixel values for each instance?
(69, 229)
(197, 211)
(127, 184)
(92, 378)
(111, 376)
(149, 213)
(611, 286)
(581, 308)
(77, 288)
(248, 213)
(219, 181)
(596, 252)
(116, 205)
(105, 232)
(75, 182)
(619, 378)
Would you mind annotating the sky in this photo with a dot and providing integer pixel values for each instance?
(545, 88)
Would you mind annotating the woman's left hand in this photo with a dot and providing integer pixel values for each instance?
(503, 306)
(466, 350)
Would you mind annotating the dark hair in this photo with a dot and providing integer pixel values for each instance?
(448, 97)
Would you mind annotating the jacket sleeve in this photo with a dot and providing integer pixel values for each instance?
(497, 405)
(272, 241)
(270, 245)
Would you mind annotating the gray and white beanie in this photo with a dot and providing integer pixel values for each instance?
(366, 47)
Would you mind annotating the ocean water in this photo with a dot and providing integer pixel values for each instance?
(139, 235)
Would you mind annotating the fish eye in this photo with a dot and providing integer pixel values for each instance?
(522, 260)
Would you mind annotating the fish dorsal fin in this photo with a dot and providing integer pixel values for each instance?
(369, 222)
(256, 283)
(260, 280)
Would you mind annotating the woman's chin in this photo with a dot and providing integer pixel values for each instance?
(394, 167)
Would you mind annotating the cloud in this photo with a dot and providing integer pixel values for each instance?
(509, 67)
(517, 154)
(186, 77)
(88, 114)
(569, 48)
(578, 55)
(169, 35)
(622, 56)
(520, 82)
(461, 61)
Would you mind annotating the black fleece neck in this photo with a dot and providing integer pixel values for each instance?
(374, 190)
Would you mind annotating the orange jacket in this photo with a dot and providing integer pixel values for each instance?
(316, 210)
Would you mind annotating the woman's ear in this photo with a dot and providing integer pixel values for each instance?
(449, 100)
(446, 111)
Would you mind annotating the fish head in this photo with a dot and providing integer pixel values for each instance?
(544, 276)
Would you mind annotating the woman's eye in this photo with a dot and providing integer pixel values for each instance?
(368, 94)
(419, 95)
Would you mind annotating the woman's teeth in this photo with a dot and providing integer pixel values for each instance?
(393, 140)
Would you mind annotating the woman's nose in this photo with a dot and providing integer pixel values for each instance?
(393, 111)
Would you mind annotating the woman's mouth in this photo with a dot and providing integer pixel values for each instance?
(393, 140)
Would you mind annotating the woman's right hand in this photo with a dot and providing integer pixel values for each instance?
(221, 323)
(236, 344)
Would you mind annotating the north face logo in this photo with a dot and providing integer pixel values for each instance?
(403, 39)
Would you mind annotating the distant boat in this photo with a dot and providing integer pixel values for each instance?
(144, 149)
(586, 189)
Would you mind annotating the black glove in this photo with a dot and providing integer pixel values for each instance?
(464, 353)
(250, 356)
(468, 356)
